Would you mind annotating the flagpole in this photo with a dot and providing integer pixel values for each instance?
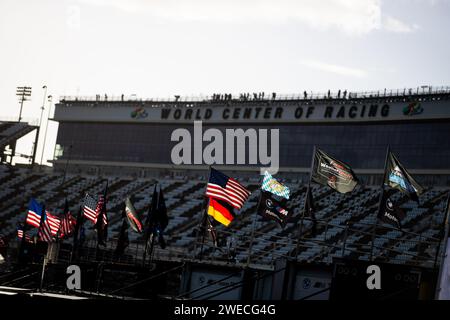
(66, 166)
(444, 248)
(252, 238)
(77, 231)
(300, 229)
(144, 257)
(45, 256)
(203, 226)
(374, 229)
(99, 224)
(22, 242)
(205, 216)
(152, 244)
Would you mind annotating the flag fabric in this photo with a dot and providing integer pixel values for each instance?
(54, 222)
(152, 212)
(221, 211)
(102, 220)
(123, 240)
(157, 218)
(90, 208)
(310, 209)
(222, 187)
(35, 210)
(132, 216)
(20, 233)
(45, 232)
(330, 172)
(68, 223)
(389, 212)
(273, 207)
(101, 209)
(398, 178)
(77, 232)
(270, 184)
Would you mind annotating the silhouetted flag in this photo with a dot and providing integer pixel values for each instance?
(310, 210)
(123, 240)
(157, 218)
(273, 207)
(77, 231)
(149, 222)
(132, 216)
(389, 212)
(68, 223)
(20, 233)
(163, 218)
(398, 178)
(333, 173)
(102, 220)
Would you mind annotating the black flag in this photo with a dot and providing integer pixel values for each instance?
(273, 207)
(123, 240)
(310, 210)
(151, 215)
(76, 233)
(389, 212)
(333, 173)
(398, 178)
(157, 219)
(102, 218)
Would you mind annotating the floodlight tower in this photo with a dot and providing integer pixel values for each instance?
(24, 94)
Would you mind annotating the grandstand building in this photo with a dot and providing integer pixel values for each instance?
(137, 133)
(128, 142)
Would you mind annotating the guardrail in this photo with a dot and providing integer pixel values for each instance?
(30, 121)
(261, 96)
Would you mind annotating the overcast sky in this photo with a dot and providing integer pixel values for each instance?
(159, 48)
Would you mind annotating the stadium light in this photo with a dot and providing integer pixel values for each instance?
(23, 93)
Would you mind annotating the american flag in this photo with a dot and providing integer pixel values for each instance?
(68, 223)
(99, 208)
(222, 187)
(45, 232)
(20, 235)
(54, 223)
(90, 208)
(34, 213)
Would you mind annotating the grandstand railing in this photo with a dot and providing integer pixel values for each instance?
(383, 93)
(335, 246)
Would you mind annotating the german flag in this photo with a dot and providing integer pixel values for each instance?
(220, 211)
